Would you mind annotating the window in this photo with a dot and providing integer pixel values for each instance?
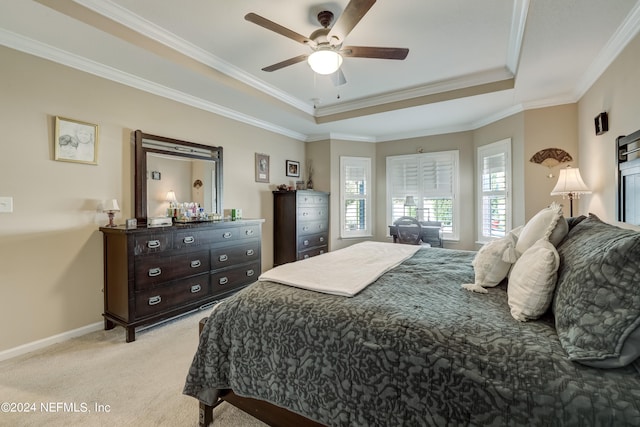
(355, 197)
(431, 180)
(494, 182)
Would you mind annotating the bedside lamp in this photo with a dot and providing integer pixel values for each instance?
(111, 207)
(571, 185)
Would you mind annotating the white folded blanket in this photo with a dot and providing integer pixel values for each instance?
(343, 272)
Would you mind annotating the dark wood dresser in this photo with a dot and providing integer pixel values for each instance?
(152, 274)
(300, 225)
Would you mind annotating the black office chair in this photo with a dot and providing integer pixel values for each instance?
(409, 230)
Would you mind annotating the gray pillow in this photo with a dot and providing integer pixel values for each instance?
(597, 299)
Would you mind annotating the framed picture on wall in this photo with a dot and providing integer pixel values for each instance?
(76, 141)
(262, 168)
(293, 168)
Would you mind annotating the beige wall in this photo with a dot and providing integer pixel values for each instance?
(617, 92)
(50, 246)
(553, 127)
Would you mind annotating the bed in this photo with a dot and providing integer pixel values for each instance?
(416, 348)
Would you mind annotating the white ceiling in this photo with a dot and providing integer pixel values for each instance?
(522, 53)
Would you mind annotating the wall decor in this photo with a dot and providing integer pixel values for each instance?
(551, 157)
(293, 168)
(262, 167)
(601, 123)
(156, 175)
(76, 141)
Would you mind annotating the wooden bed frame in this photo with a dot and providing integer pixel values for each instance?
(266, 412)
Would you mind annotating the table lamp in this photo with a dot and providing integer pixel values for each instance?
(571, 185)
(111, 207)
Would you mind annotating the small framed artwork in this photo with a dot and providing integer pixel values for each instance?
(262, 168)
(76, 141)
(293, 168)
(156, 175)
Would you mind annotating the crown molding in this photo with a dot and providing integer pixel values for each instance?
(623, 35)
(42, 50)
(136, 23)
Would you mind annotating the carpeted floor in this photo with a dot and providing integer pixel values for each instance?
(99, 380)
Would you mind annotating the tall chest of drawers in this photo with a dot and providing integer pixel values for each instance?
(152, 274)
(301, 225)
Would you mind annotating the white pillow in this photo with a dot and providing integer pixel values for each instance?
(533, 281)
(492, 263)
(542, 226)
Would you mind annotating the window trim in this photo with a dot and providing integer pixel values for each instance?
(368, 231)
(483, 151)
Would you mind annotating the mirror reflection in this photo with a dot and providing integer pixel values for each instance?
(180, 183)
(176, 178)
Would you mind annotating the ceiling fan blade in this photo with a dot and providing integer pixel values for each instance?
(338, 78)
(277, 28)
(352, 14)
(285, 63)
(374, 52)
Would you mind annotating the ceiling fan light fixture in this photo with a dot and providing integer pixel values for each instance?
(325, 61)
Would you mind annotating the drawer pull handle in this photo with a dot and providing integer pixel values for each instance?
(223, 280)
(152, 244)
(195, 263)
(226, 235)
(322, 239)
(153, 272)
(321, 251)
(305, 228)
(249, 232)
(155, 300)
(195, 289)
(223, 258)
(306, 243)
(306, 256)
(189, 239)
(250, 252)
(305, 213)
(250, 273)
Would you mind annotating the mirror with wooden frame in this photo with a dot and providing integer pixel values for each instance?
(193, 172)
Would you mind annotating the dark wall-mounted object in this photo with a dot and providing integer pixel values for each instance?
(601, 123)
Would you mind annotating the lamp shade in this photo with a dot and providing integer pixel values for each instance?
(111, 206)
(171, 196)
(325, 61)
(570, 183)
(409, 201)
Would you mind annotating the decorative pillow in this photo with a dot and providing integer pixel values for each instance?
(547, 224)
(492, 263)
(533, 280)
(597, 300)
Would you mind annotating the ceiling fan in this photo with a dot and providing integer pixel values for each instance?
(326, 42)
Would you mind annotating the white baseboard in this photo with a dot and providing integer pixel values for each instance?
(45, 342)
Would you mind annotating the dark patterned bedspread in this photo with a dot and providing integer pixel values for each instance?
(411, 349)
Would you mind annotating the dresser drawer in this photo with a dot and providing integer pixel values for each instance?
(313, 199)
(313, 213)
(312, 227)
(309, 241)
(237, 254)
(189, 239)
(152, 243)
(222, 281)
(172, 295)
(224, 235)
(153, 270)
(312, 252)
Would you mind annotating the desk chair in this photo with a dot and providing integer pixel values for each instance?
(409, 230)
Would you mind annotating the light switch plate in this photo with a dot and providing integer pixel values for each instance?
(6, 204)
